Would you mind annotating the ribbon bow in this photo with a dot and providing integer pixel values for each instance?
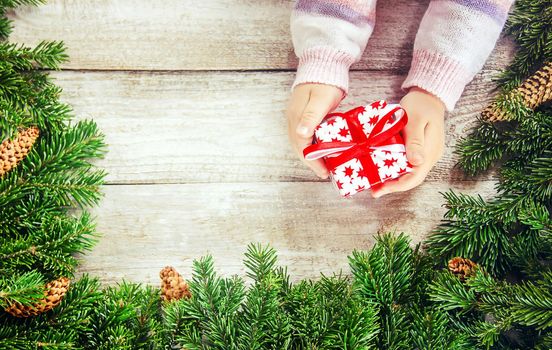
(362, 145)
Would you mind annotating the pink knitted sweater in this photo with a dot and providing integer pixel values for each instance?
(452, 44)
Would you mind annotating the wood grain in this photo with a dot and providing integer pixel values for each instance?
(146, 227)
(221, 126)
(205, 34)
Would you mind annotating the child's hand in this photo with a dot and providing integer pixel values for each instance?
(424, 137)
(309, 104)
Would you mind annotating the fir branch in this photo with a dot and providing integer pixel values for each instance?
(464, 206)
(133, 312)
(530, 137)
(533, 181)
(356, 328)
(260, 262)
(27, 96)
(431, 331)
(26, 215)
(106, 328)
(480, 149)
(384, 275)
(385, 271)
(530, 24)
(532, 305)
(262, 303)
(24, 289)
(473, 229)
(50, 249)
(59, 328)
(213, 304)
(46, 55)
(5, 23)
(59, 166)
(260, 308)
(449, 293)
(17, 3)
(544, 341)
(176, 325)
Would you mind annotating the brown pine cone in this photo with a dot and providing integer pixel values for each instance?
(535, 91)
(13, 151)
(173, 286)
(53, 294)
(461, 267)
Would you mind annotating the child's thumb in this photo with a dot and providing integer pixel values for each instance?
(414, 135)
(312, 116)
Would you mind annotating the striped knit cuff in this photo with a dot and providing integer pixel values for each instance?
(324, 65)
(439, 75)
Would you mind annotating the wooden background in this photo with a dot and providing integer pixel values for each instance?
(191, 96)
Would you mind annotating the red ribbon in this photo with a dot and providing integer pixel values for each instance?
(362, 145)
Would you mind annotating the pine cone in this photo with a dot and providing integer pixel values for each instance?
(461, 267)
(173, 286)
(13, 151)
(535, 91)
(53, 294)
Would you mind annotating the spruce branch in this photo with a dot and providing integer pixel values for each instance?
(260, 262)
(17, 3)
(60, 328)
(45, 55)
(27, 95)
(51, 248)
(59, 166)
(530, 24)
(384, 275)
(431, 331)
(479, 150)
(450, 293)
(24, 289)
(544, 341)
(475, 229)
(213, 305)
(531, 305)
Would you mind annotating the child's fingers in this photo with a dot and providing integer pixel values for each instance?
(320, 103)
(310, 103)
(319, 168)
(414, 141)
(434, 139)
(404, 183)
(317, 165)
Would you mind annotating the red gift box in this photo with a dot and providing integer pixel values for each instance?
(362, 148)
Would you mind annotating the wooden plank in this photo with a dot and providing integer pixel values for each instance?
(146, 227)
(221, 126)
(205, 35)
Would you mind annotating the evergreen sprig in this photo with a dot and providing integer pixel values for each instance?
(24, 289)
(40, 231)
(529, 24)
(516, 308)
(5, 5)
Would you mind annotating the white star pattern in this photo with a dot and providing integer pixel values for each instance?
(329, 130)
(349, 177)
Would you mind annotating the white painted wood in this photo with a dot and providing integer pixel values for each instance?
(205, 34)
(146, 227)
(222, 127)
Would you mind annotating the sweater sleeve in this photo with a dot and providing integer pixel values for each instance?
(328, 37)
(454, 40)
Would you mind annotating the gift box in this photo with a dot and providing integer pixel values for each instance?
(362, 148)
